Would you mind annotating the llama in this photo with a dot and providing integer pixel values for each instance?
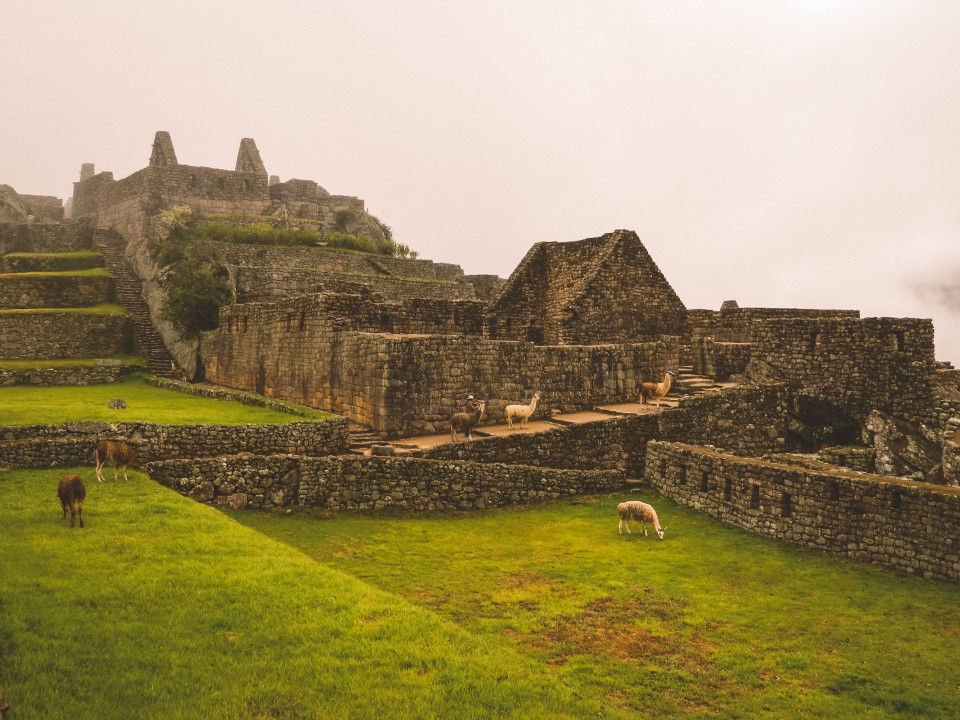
(466, 421)
(117, 453)
(637, 510)
(521, 411)
(656, 390)
(72, 492)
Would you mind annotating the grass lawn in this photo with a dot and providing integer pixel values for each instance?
(105, 309)
(713, 622)
(164, 608)
(161, 607)
(52, 405)
(125, 360)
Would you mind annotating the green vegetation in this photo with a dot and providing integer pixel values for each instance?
(52, 405)
(198, 285)
(89, 272)
(161, 607)
(106, 309)
(73, 255)
(713, 622)
(125, 361)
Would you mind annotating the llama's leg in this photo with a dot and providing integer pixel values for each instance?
(620, 527)
(73, 510)
(125, 473)
(80, 511)
(96, 459)
(64, 506)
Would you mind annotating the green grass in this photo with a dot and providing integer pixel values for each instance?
(163, 608)
(52, 405)
(713, 622)
(125, 361)
(89, 272)
(105, 309)
(74, 255)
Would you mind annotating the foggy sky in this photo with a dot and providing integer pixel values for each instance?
(799, 153)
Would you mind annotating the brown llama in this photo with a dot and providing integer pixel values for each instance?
(116, 453)
(466, 421)
(72, 492)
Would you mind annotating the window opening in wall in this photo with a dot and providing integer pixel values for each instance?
(229, 325)
(193, 181)
(814, 341)
(755, 497)
(245, 324)
(386, 324)
(289, 321)
(704, 481)
(303, 321)
(834, 490)
(896, 500)
(786, 505)
(508, 323)
(683, 475)
(663, 467)
(896, 340)
(246, 185)
(727, 489)
(221, 183)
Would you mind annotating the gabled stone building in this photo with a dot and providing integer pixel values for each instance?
(599, 290)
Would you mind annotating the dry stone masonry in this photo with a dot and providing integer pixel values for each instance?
(818, 401)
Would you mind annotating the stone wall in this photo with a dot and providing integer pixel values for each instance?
(52, 262)
(62, 237)
(100, 373)
(44, 207)
(598, 290)
(328, 260)
(72, 443)
(719, 360)
(853, 365)
(743, 421)
(907, 526)
(55, 334)
(265, 284)
(54, 290)
(307, 350)
(733, 324)
(354, 483)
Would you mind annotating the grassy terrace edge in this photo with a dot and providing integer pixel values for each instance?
(148, 400)
(104, 309)
(161, 607)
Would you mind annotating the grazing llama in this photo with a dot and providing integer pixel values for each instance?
(466, 421)
(117, 453)
(656, 390)
(522, 411)
(637, 510)
(72, 492)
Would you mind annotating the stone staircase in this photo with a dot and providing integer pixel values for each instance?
(689, 383)
(130, 294)
(360, 439)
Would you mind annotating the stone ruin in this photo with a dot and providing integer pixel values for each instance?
(802, 407)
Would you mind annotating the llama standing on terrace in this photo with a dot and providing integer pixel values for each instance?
(656, 390)
(522, 411)
(466, 421)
